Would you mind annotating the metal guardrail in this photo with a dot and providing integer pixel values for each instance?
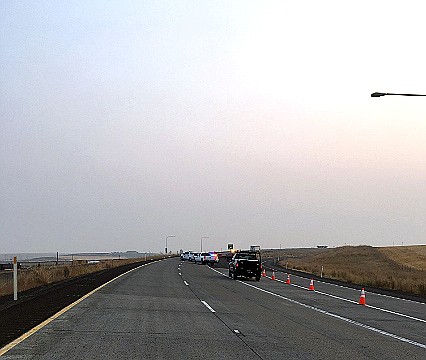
(9, 266)
(27, 264)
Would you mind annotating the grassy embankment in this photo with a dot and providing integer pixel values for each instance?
(44, 275)
(401, 268)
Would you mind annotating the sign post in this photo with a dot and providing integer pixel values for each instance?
(15, 278)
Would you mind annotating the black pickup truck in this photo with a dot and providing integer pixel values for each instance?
(247, 264)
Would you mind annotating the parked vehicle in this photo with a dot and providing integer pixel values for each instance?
(207, 258)
(212, 258)
(247, 264)
(254, 247)
(187, 255)
(191, 256)
(200, 258)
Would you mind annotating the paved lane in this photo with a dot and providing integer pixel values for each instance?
(290, 324)
(397, 316)
(174, 310)
(147, 314)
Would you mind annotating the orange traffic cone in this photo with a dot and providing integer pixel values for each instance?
(288, 279)
(273, 275)
(264, 272)
(311, 285)
(362, 297)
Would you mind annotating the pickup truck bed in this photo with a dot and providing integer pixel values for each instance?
(247, 264)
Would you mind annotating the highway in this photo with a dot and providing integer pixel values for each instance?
(179, 310)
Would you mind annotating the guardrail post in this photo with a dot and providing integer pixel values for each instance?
(15, 278)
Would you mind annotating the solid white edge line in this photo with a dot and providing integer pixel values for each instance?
(368, 306)
(17, 341)
(208, 306)
(355, 302)
(350, 288)
(395, 313)
(368, 327)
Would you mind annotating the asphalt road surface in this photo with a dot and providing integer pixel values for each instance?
(179, 310)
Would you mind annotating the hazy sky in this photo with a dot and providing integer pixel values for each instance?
(123, 122)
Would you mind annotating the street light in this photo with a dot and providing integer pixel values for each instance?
(379, 94)
(203, 237)
(170, 236)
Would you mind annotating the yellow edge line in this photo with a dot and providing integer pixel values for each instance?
(17, 341)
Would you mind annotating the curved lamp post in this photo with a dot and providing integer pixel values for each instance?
(379, 94)
(170, 236)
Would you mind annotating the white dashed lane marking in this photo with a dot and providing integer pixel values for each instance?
(208, 306)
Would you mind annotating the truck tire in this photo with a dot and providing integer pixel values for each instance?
(234, 276)
(257, 278)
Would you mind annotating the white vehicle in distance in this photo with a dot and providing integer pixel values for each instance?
(207, 258)
(200, 258)
(186, 255)
(191, 256)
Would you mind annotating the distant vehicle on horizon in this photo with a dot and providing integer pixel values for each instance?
(188, 255)
(185, 255)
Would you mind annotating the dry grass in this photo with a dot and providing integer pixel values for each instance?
(45, 275)
(410, 256)
(397, 268)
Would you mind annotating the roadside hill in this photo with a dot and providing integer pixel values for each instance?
(400, 268)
